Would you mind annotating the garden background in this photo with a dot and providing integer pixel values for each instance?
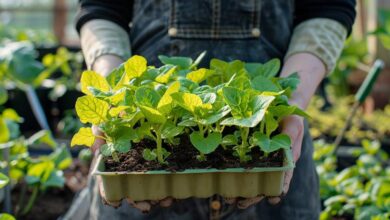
(40, 67)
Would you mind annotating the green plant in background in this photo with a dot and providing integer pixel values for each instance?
(327, 124)
(69, 124)
(37, 37)
(354, 55)
(136, 102)
(4, 180)
(383, 31)
(35, 174)
(70, 64)
(361, 191)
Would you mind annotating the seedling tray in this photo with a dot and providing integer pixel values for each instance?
(200, 183)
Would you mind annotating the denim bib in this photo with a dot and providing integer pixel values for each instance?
(249, 30)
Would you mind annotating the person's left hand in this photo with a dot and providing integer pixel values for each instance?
(293, 126)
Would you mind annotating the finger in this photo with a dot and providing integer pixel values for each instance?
(287, 180)
(293, 127)
(274, 200)
(230, 200)
(143, 206)
(98, 141)
(245, 203)
(166, 202)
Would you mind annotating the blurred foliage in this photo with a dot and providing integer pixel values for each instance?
(327, 124)
(70, 64)
(37, 37)
(69, 125)
(35, 174)
(354, 54)
(383, 30)
(362, 190)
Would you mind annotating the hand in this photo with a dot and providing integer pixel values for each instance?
(143, 206)
(104, 65)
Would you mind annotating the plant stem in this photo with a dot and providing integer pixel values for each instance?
(201, 129)
(159, 146)
(115, 156)
(31, 201)
(262, 124)
(244, 143)
(21, 198)
(201, 157)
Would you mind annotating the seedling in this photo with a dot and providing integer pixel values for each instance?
(177, 100)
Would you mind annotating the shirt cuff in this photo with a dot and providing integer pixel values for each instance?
(321, 37)
(100, 37)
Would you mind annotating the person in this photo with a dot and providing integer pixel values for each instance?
(307, 35)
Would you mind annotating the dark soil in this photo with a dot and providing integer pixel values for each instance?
(184, 155)
(50, 205)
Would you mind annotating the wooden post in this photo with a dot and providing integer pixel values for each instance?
(59, 21)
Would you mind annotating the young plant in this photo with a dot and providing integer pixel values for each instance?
(136, 102)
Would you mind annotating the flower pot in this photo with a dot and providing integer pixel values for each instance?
(200, 183)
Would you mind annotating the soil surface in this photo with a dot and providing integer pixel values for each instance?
(184, 156)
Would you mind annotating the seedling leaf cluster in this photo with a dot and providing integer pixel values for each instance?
(233, 105)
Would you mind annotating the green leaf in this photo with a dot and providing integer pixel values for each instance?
(165, 104)
(215, 116)
(61, 157)
(43, 137)
(205, 145)
(199, 75)
(20, 61)
(12, 115)
(56, 179)
(259, 105)
(240, 82)
(96, 81)
(291, 81)
(5, 216)
(270, 123)
(147, 96)
(281, 111)
(188, 123)
(149, 155)
(181, 62)
(170, 130)
(107, 149)
(114, 112)
(270, 68)
(83, 137)
(122, 145)
(232, 96)
(135, 67)
(3, 95)
(229, 139)
(91, 110)
(3, 180)
(280, 141)
(4, 132)
(189, 101)
(115, 76)
(152, 115)
(263, 84)
(166, 75)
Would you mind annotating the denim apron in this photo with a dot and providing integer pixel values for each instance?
(249, 30)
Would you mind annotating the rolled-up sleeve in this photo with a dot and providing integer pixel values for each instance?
(116, 11)
(103, 26)
(321, 27)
